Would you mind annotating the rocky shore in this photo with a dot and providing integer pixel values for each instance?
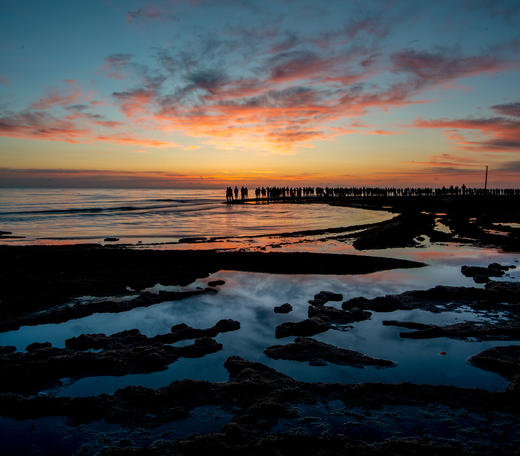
(267, 412)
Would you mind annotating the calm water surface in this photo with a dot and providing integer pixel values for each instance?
(81, 215)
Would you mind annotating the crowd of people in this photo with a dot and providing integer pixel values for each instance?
(293, 193)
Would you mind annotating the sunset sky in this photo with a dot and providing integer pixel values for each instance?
(205, 93)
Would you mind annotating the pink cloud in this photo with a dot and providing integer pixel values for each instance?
(497, 133)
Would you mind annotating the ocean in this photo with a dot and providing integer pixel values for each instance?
(157, 216)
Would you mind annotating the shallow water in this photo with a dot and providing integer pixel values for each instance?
(250, 298)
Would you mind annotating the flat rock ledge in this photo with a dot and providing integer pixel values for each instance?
(504, 361)
(308, 327)
(41, 366)
(319, 354)
(479, 331)
(504, 296)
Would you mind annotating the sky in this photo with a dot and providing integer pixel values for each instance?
(207, 93)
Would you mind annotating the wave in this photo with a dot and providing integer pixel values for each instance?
(96, 210)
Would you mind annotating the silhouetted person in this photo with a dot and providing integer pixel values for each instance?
(229, 194)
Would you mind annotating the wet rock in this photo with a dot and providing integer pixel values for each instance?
(315, 352)
(192, 240)
(38, 346)
(504, 361)
(128, 352)
(504, 291)
(479, 331)
(338, 316)
(328, 296)
(216, 283)
(407, 324)
(308, 327)
(284, 308)
(400, 231)
(111, 239)
(131, 338)
(88, 341)
(265, 413)
(7, 349)
(483, 275)
(258, 396)
(64, 313)
(441, 298)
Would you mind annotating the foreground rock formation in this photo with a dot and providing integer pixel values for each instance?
(319, 354)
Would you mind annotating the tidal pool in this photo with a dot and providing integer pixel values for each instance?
(250, 298)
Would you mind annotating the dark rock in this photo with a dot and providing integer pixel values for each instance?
(400, 231)
(38, 346)
(504, 361)
(407, 324)
(338, 316)
(306, 349)
(184, 332)
(328, 296)
(226, 325)
(7, 349)
(307, 327)
(266, 413)
(192, 240)
(283, 309)
(480, 331)
(482, 275)
(132, 338)
(111, 239)
(60, 273)
(88, 341)
(442, 298)
(216, 283)
(123, 353)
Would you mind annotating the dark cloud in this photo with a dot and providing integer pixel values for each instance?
(512, 167)
(210, 80)
(443, 65)
(508, 109)
(77, 107)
